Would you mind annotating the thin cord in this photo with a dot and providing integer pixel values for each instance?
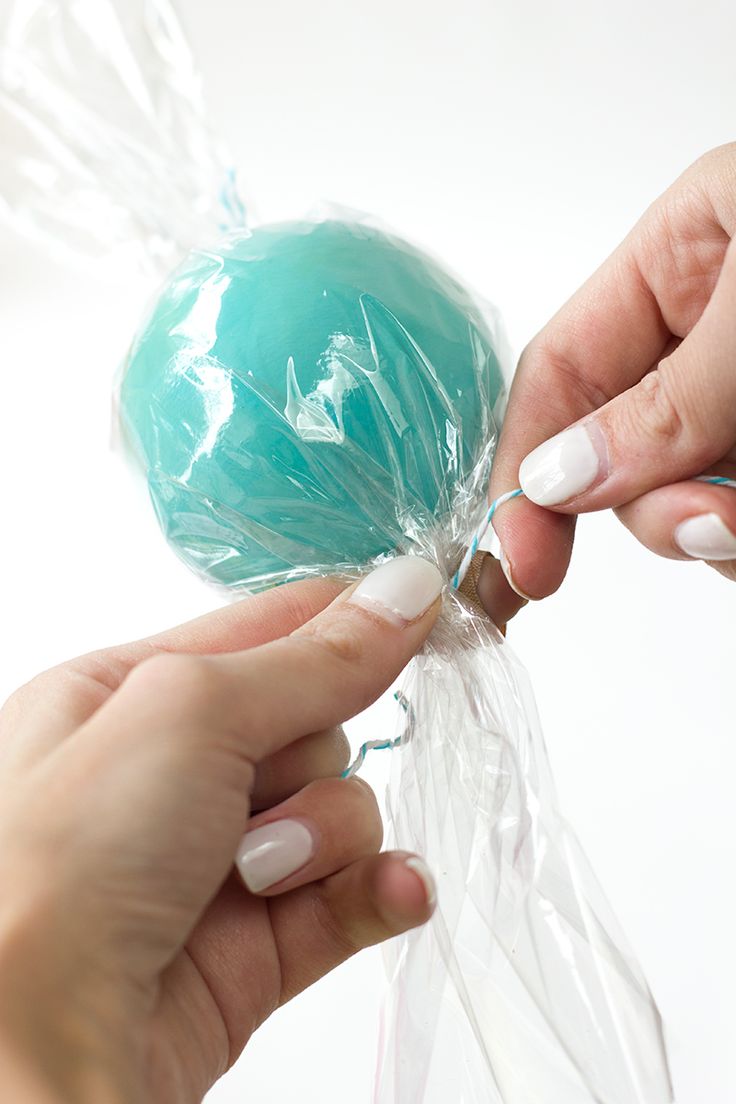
(381, 745)
(716, 480)
(384, 745)
(480, 532)
(457, 578)
(369, 745)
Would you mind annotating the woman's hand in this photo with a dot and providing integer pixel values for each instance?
(134, 963)
(638, 370)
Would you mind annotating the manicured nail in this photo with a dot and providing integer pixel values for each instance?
(706, 537)
(425, 876)
(268, 854)
(562, 467)
(506, 568)
(400, 590)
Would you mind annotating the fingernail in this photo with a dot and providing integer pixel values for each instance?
(506, 568)
(706, 537)
(269, 854)
(425, 876)
(400, 590)
(562, 467)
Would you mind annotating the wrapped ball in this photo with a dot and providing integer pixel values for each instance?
(308, 396)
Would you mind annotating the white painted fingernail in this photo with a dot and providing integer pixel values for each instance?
(561, 468)
(706, 537)
(426, 877)
(400, 590)
(506, 568)
(271, 853)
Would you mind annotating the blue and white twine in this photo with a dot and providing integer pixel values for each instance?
(457, 578)
(480, 532)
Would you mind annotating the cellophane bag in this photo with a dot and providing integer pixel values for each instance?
(315, 398)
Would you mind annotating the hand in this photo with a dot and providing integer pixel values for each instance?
(134, 965)
(639, 371)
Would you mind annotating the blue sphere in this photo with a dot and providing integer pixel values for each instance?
(306, 397)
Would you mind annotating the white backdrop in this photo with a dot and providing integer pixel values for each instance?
(520, 140)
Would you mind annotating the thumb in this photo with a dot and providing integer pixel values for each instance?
(164, 769)
(676, 422)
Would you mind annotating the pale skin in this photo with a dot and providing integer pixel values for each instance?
(644, 355)
(134, 963)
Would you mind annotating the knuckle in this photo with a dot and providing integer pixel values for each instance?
(711, 182)
(718, 158)
(16, 703)
(339, 636)
(15, 707)
(657, 413)
(707, 171)
(551, 372)
(670, 417)
(187, 679)
(343, 938)
(301, 599)
(53, 683)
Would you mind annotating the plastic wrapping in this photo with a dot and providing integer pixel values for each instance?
(522, 990)
(309, 396)
(317, 397)
(107, 155)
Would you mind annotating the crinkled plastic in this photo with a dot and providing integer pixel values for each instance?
(107, 154)
(314, 397)
(309, 396)
(522, 990)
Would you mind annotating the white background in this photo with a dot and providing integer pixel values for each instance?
(520, 140)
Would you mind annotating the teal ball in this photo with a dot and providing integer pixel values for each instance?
(308, 396)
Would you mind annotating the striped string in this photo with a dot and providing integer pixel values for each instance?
(369, 745)
(380, 745)
(457, 578)
(480, 532)
(717, 480)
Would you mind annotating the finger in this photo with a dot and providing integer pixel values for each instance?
(602, 341)
(318, 831)
(687, 521)
(371, 901)
(166, 766)
(48, 709)
(633, 310)
(496, 595)
(312, 930)
(679, 420)
(319, 755)
(253, 703)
